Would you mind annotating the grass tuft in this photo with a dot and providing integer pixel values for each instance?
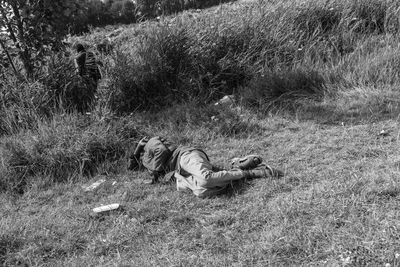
(9, 245)
(270, 90)
(72, 146)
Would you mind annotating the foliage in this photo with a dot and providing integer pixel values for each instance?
(58, 88)
(65, 88)
(151, 77)
(36, 27)
(154, 8)
(207, 56)
(101, 13)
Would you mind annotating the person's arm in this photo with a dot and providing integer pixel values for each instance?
(140, 147)
(76, 66)
(134, 159)
(155, 158)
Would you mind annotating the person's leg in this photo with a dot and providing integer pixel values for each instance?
(198, 174)
(189, 183)
(195, 163)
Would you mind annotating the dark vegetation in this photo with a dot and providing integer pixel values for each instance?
(97, 13)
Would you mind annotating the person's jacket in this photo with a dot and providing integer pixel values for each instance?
(162, 157)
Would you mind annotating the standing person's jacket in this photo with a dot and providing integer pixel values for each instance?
(87, 65)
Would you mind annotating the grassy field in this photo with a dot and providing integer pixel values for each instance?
(337, 205)
(312, 101)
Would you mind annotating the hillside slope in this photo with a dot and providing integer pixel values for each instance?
(337, 205)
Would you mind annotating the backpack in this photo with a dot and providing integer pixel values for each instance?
(157, 151)
(91, 66)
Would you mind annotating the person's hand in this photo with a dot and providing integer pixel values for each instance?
(140, 146)
(143, 141)
(153, 178)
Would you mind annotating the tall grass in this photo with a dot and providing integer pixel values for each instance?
(19, 105)
(65, 148)
(56, 88)
(221, 51)
(281, 89)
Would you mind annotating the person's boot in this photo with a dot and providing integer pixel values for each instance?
(264, 171)
(246, 163)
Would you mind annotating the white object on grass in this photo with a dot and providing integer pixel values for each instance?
(94, 185)
(106, 208)
(226, 100)
(384, 133)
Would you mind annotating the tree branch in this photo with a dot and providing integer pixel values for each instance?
(9, 58)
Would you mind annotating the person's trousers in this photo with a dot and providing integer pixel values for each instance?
(196, 173)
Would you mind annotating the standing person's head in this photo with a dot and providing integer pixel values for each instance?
(79, 48)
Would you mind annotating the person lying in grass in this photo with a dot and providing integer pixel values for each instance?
(192, 168)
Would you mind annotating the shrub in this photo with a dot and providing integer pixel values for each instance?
(20, 105)
(57, 88)
(153, 8)
(206, 56)
(147, 8)
(222, 55)
(70, 146)
(172, 64)
(151, 76)
(65, 88)
(276, 88)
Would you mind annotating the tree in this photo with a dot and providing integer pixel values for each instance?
(36, 27)
(123, 11)
(96, 14)
(129, 11)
